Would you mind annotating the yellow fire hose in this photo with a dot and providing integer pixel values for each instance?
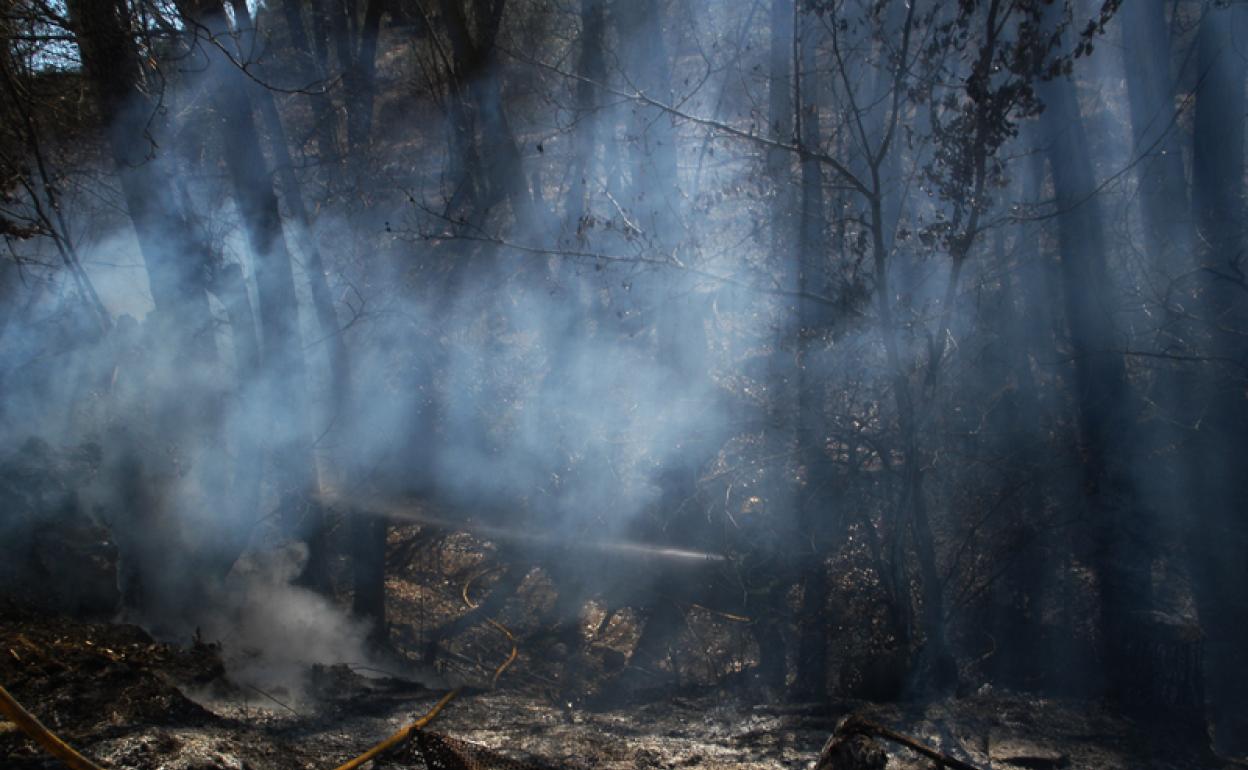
(28, 724)
(515, 652)
(401, 735)
(515, 649)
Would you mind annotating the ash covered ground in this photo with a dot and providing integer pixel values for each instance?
(127, 700)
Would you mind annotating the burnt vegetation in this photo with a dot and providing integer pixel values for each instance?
(616, 351)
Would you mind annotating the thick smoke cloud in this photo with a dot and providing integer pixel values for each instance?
(574, 314)
(501, 392)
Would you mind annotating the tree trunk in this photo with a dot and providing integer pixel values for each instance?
(653, 188)
(284, 384)
(594, 69)
(178, 268)
(475, 76)
(1150, 93)
(312, 75)
(1218, 485)
(936, 667)
(361, 82)
(814, 323)
(781, 419)
(177, 265)
(1118, 525)
(368, 534)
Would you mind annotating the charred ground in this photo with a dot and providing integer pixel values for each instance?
(129, 701)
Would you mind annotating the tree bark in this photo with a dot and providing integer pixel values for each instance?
(476, 76)
(1118, 524)
(814, 323)
(1218, 484)
(367, 534)
(179, 268)
(782, 420)
(594, 69)
(362, 81)
(284, 379)
(1150, 95)
(312, 75)
(177, 265)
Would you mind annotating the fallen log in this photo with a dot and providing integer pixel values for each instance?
(846, 749)
(446, 518)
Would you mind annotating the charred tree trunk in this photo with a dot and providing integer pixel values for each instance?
(782, 418)
(310, 71)
(814, 324)
(1150, 94)
(292, 197)
(1013, 616)
(361, 80)
(1218, 484)
(935, 669)
(368, 535)
(229, 286)
(681, 346)
(1169, 237)
(179, 269)
(476, 77)
(177, 266)
(368, 575)
(594, 69)
(1167, 230)
(653, 189)
(355, 44)
(284, 382)
(1118, 524)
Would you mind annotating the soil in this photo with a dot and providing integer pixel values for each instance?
(128, 701)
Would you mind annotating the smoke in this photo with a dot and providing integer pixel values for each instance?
(630, 376)
(578, 396)
(512, 387)
(272, 630)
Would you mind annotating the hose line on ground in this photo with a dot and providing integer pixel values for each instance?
(401, 735)
(58, 748)
(515, 648)
(28, 724)
(419, 724)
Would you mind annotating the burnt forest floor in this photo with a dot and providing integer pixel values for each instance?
(127, 701)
